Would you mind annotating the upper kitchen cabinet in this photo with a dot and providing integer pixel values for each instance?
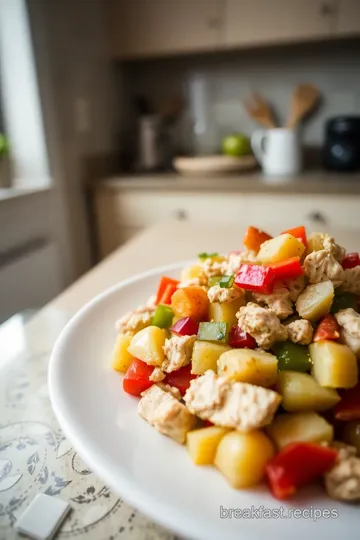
(277, 21)
(141, 28)
(348, 18)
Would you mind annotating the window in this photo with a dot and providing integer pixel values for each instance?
(21, 107)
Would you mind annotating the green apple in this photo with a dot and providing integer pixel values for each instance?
(236, 144)
(4, 145)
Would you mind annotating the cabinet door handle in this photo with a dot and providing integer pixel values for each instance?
(317, 217)
(213, 23)
(327, 9)
(181, 215)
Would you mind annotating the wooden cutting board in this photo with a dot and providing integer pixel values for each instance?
(214, 164)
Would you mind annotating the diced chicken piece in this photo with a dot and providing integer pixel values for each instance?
(295, 287)
(157, 375)
(171, 389)
(151, 301)
(163, 411)
(345, 451)
(322, 266)
(211, 267)
(235, 260)
(178, 352)
(135, 320)
(261, 324)
(231, 404)
(278, 301)
(300, 332)
(342, 482)
(223, 295)
(351, 280)
(349, 322)
(337, 251)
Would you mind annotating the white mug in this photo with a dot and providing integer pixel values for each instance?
(278, 150)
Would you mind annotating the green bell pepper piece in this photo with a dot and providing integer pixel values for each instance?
(163, 316)
(226, 282)
(213, 331)
(292, 357)
(215, 280)
(343, 301)
(204, 255)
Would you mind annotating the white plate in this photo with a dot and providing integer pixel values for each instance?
(150, 471)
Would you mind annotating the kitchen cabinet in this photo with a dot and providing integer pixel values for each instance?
(120, 214)
(348, 17)
(264, 21)
(160, 27)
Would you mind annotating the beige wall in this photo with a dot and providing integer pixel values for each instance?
(273, 71)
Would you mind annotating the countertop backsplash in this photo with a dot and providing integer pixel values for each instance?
(228, 78)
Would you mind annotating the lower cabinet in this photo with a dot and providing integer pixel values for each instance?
(121, 214)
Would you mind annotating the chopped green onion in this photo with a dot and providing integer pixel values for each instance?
(226, 282)
(163, 316)
(204, 255)
(213, 331)
(214, 281)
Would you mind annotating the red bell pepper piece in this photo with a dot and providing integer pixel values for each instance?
(166, 289)
(207, 423)
(351, 260)
(238, 339)
(296, 465)
(287, 269)
(255, 278)
(327, 329)
(254, 238)
(137, 377)
(299, 233)
(348, 407)
(169, 291)
(180, 378)
(185, 327)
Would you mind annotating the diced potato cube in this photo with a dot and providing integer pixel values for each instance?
(301, 392)
(205, 356)
(334, 364)
(121, 358)
(242, 457)
(279, 248)
(248, 366)
(315, 242)
(147, 345)
(315, 301)
(300, 427)
(191, 272)
(226, 312)
(202, 444)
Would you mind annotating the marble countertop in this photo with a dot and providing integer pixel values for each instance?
(249, 182)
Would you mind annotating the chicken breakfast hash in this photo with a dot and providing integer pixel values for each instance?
(251, 360)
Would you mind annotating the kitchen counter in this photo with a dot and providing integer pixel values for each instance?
(250, 182)
(34, 454)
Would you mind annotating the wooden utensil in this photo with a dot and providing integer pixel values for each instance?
(304, 99)
(259, 109)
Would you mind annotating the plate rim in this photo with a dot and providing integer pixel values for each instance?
(129, 491)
